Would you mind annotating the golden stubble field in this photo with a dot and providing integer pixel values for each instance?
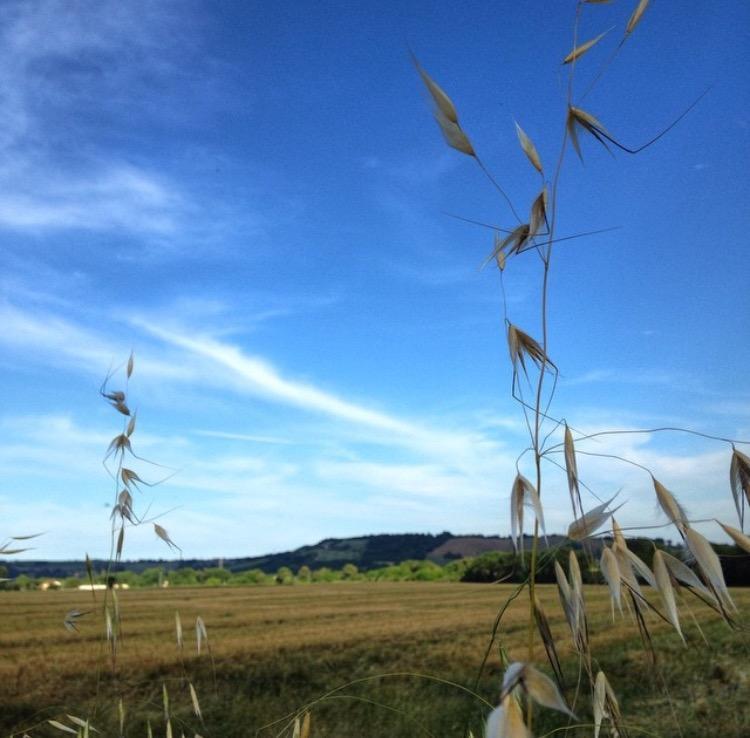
(274, 649)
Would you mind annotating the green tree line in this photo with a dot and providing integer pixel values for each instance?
(489, 567)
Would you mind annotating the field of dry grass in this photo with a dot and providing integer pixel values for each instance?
(274, 649)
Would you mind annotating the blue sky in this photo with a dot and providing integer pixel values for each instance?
(254, 198)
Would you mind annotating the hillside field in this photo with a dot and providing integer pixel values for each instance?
(273, 650)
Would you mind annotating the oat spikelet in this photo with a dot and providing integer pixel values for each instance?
(120, 543)
(571, 469)
(617, 535)
(586, 525)
(641, 569)
(605, 705)
(118, 445)
(500, 256)
(200, 633)
(683, 573)
(671, 507)
(600, 701)
(306, 725)
(129, 368)
(446, 115)
(178, 630)
(737, 536)
(580, 50)
(194, 700)
(523, 494)
(664, 585)
(529, 149)
(162, 533)
(521, 345)
(506, 721)
(514, 243)
(71, 619)
(709, 564)
(578, 118)
(563, 587)
(121, 715)
(165, 701)
(64, 728)
(82, 724)
(635, 18)
(534, 683)
(611, 573)
(739, 480)
(538, 217)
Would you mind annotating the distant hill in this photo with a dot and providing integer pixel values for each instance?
(367, 552)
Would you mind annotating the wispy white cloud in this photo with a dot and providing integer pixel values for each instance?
(260, 377)
(620, 376)
(61, 65)
(105, 197)
(249, 437)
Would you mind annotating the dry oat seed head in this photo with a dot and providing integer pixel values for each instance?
(306, 725)
(617, 535)
(194, 700)
(635, 18)
(71, 617)
(162, 533)
(514, 242)
(737, 536)
(611, 573)
(523, 494)
(600, 697)
(121, 407)
(520, 345)
(500, 259)
(64, 728)
(538, 216)
(709, 564)
(178, 629)
(200, 633)
(683, 573)
(580, 50)
(506, 721)
(129, 369)
(605, 705)
(641, 569)
(586, 525)
(529, 149)
(442, 102)
(454, 135)
(578, 118)
(671, 507)
(739, 480)
(82, 723)
(445, 114)
(664, 586)
(571, 469)
(535, 684)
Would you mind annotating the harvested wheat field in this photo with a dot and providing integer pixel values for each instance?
(271, 651)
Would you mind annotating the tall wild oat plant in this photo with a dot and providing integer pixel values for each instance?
(534, 376)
